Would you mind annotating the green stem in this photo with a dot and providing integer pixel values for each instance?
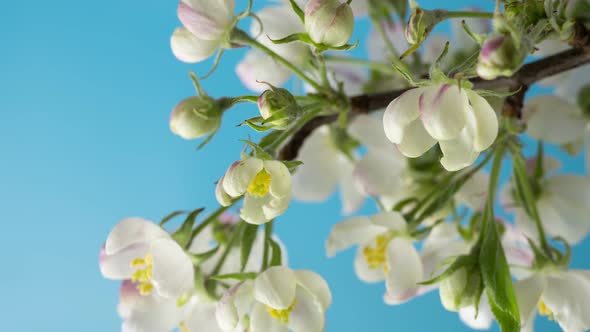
(208, 221)
(242, 37)
(381, 67)
(228, 247)
(295, 127)
(468, 14)
(488, 214)
(265, 252)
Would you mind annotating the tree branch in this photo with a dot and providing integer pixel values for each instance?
(527, 75)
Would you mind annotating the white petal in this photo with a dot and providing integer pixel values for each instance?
(577, 79)
(257, 67)
(553, 119)
(528, 292)
(484, 318)
(205, 19)
(364, 272)
(486, 121)
(353, 231)
(460, 152)
(262, 321)
(173, 273)
(352, 198)
(317, 178)
(307, 314)
(132, 231)
(118, 265)
(188, 48)
(151, 314)
(444, 111)
(276, 206)
(416, 141)
(474, 192)
(405, 271)
(391, 220)
(202, 318)
(252, 211)
(275, 287)
(369, 131)
(400, 113)
(280, 184)
(222, 197)
(379, 172)
(316, 286)
(566, 295)
(240, 174)
(235, 303)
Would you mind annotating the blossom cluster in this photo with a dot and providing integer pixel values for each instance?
(420, 156)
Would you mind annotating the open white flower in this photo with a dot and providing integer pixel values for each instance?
(279, 299)
(257, 67)
(562, 202)
(265, 185)
(206, 26)
(324, 168)
(142, 251)
(385, 252)
(461, 121)
(562, 295)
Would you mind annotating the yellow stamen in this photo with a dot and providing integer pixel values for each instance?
(261, 184)
(544, 311)
(143, 274)
(375, 256)
(281, 315)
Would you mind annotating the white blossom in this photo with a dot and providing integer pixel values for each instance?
(279, 299)
(207, 24)
(142, 251)
(462, 122)
(265, 185)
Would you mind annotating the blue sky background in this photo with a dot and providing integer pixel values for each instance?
(86, 89)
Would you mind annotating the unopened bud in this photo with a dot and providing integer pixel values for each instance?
(278, 107)
(329, 22)
(460, 289)
(499, 56)
(421, 23)
(195, 117)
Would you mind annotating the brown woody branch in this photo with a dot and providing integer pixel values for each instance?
(528, 74)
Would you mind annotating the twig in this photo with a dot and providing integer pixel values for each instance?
(527, 75)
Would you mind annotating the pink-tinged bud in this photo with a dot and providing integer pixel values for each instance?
(195, 117)
(329, 22)
(461, 288)
(208, 20)
(278, 107)
(499, 56)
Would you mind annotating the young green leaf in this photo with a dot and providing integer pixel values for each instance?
(235, 276)
(248, 237)
(277, 256)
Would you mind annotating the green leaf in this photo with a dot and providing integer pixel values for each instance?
(248, 237)
(497, 280)
(171, 216)
(277, 256)
(199, 258)
(268, 139)
(236, 276)
(292, 165)
(298, 10)
(258, 150)
(302, 37)
(183, 234)
(250, 123)
(459, 262)
(207, 139)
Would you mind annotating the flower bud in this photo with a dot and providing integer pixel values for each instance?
(460, 289)
(420, 24)
(278, 106)
(329, 22)
(195, 117)
(499, 56)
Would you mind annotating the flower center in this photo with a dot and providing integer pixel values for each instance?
(544, 311)
(261, 184)
(143, 274)
(281, 315)
(375, 256)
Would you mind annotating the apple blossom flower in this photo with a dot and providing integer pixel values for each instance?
(560, 294)
(142, 251)
(461, 121)
(329, 22)
(207, 24)
(256, 67)
(324, 167)
(279, 299)
(265, 185)
(385, 252)
(195, 117)
(562, 202)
